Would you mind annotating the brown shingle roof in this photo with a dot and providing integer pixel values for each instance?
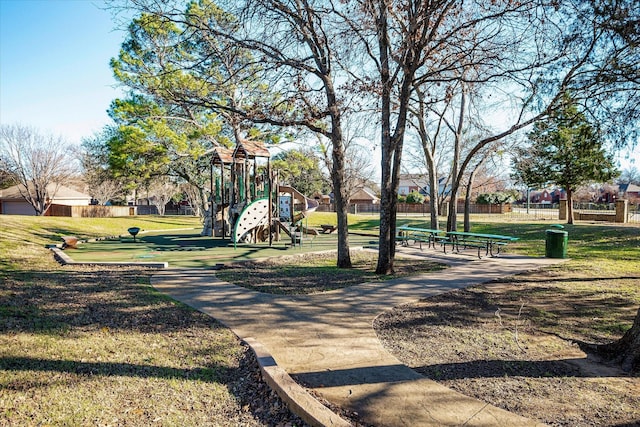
(251, 149)
(222, 155)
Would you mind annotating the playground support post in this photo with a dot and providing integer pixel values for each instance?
(269, 183)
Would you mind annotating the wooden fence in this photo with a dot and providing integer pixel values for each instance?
(90, 211)
(420, 208)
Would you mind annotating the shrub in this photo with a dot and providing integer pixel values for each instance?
(415, 198)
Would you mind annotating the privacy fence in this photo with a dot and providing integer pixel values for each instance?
(620, 212)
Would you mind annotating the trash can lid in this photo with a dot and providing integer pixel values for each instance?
(558, 226)
(558, 232)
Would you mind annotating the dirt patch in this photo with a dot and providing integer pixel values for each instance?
(314, 273)
(514, 345)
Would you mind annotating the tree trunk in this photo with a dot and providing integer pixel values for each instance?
(433, 186)
(467, 200)
(433, 195)
(337, 177)
(453, 198)
(428, 149)
(385, 255)
(455, 173)
(569, 206)
(344, 257)
(625, 351)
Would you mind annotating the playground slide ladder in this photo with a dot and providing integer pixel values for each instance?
(310, 204)
(257, 213)
(253, 215)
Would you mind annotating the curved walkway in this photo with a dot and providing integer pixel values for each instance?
(327, 341)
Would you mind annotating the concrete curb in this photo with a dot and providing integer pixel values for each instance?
(297, 399)
(64, 259)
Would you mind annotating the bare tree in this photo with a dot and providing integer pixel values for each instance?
(160, 191)
(94, 161)
(299, 44)
(105, 191)
(358, 168)
(195, 195)
(291, 46)
(38, 163)
(419, 43)
(630, 175)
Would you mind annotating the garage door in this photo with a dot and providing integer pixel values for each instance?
(17, 208)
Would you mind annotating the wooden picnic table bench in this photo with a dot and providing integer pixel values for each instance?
(479, 240)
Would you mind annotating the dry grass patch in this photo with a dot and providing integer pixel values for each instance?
(101, 347)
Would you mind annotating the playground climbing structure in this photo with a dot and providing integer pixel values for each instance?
(248, 205)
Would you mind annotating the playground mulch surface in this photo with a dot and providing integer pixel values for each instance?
(188, 249)
(514, 344)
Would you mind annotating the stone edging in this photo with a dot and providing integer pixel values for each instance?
(64, 259)
(293, 394)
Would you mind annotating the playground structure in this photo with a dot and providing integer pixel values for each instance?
(248, 205)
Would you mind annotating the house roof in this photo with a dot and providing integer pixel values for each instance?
(629, 188)
(364, 194)
(13, 193)
(413, 179)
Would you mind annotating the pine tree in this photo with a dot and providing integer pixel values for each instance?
(566, 150)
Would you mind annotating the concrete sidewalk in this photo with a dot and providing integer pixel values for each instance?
(327, 341)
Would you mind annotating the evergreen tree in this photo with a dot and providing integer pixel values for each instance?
(566, 150)
(301, 170)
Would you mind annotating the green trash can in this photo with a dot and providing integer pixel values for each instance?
(556, 244)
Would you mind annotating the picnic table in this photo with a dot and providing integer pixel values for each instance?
(418, 235)
(488, 242)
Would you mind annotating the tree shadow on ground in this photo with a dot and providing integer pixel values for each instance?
(116, 298)
(101, 300)
(511, 368)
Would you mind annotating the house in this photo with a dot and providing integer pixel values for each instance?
(364, 196)
(420, 183)
(609, 193)
(543, 196)
(557, 195)
(410, 182)
(323, 199)
(12, 202)
(630, 192)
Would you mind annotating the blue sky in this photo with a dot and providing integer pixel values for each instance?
(54, 65)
